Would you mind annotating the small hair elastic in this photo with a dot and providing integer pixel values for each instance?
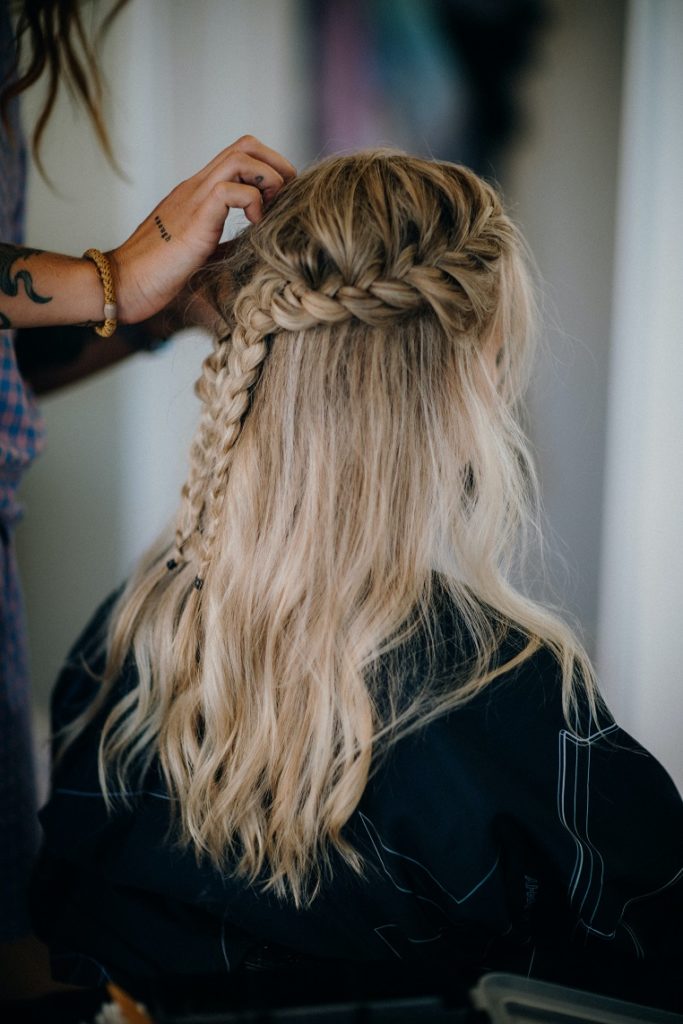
(110, 312)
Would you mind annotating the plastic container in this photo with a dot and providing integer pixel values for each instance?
(508, 999)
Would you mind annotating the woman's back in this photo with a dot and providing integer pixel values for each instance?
(365, 741)
(492, 839)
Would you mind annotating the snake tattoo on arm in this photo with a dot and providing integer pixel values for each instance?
(10, 279)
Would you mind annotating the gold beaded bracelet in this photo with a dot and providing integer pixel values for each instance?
(106, 329)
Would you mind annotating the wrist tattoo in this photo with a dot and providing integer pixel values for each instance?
(10, 279)
(258, 180)
(162, 230)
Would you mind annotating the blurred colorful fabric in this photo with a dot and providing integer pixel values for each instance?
(432, 76)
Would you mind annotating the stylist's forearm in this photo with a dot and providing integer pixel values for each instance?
(39, 288)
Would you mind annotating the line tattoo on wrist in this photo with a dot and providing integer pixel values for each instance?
(10, 278)
(162, 230)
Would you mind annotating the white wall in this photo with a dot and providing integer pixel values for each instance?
(596, 183)
(641, 621)
(185, 80)
(561, 182)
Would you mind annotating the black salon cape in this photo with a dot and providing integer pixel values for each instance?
(494, 839)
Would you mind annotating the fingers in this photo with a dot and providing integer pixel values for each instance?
(241, 167)
(231, 194)
(254, 148)
(246, 175)
(279, 163)
(254, 172)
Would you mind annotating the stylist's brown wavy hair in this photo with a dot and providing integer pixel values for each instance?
(357, 450)
(52, 37)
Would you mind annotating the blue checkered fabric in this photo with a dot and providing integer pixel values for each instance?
(21, 429)
(21, 438)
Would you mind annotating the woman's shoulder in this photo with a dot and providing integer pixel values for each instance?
(522, 680)
(509, 767)
(519, 732)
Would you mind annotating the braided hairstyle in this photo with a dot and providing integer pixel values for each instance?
(357, 459)
(417, 239)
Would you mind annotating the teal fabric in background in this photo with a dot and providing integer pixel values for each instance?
(437, 77)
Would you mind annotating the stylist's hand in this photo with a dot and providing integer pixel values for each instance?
(177, 238)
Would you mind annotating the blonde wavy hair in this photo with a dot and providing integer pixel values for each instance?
(358, 447)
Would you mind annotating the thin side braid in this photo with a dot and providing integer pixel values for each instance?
(230, 403)
(201, 453)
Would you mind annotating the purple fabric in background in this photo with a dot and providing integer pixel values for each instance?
(21, 438)
(351, 104)
(434, 77)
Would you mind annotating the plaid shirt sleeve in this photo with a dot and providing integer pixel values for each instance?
(21, 438)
